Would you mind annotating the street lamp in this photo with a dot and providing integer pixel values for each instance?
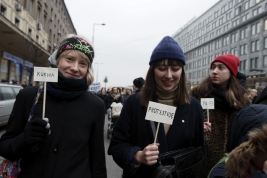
(97, 71)
(94, 30)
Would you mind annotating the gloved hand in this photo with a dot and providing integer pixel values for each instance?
(36, 131)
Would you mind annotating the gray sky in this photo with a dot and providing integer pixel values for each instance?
(133, 29)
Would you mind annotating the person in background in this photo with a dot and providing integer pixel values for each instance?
(127, 93)
(246, 157)
(223, 84)
(253, 95)
(24, 84)
(74, 146)
(103, 95)
(132, 145)
(114, 96)
(138, 84)
(259, 90)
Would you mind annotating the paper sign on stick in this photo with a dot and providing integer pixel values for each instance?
(207, 103)
(160, 113)
(45, 74)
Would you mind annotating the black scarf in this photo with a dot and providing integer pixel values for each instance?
(67, 88)
(219, 98)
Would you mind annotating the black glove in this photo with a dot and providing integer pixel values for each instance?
(35, 131)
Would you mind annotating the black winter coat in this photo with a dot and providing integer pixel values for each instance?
(75, 147)
(132, 133)
(249, 118)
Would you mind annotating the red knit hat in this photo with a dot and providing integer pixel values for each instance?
(231, 61)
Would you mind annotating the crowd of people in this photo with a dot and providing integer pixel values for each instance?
(69, 142)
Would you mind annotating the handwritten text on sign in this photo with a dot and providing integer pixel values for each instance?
(207, 103)
(160, 113)
(45, 74)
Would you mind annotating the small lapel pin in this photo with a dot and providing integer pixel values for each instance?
(183, 121)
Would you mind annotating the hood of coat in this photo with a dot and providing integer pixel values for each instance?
(239, 159)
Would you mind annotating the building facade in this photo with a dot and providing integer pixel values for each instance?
(30, 31)
(236, 27)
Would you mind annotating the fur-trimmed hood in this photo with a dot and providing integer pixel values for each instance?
(239, 159)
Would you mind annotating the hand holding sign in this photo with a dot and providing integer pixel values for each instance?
(207, 103)
(160, 113)
(46, 75)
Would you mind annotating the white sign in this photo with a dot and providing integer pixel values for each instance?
(45, 74)
(207, 103)
(95, 87)
(160, 113)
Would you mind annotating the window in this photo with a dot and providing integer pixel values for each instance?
(225, 41)
(29, 32)
(199, 63)
(257, 45)
(254, 63)
(228, 16)
(204, 72)
(31, 7)
(210, 59)
(265, 24)
(226, 27)
(37, 38)
(253, 44)
(234, 51)
(211, 47)
(194, 64)
(243, 33)
(257, 1)
(237, 10)
(16, 22)
(243, 65)
(246, 5)
(243, 49)
(3, 10)
(255, 28)
(234, 37)
(8, 93)
(217, 44)
(265, 42)
(264, 61)
(230, 5)
(198, 73)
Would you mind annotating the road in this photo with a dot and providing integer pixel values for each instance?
(113, 170)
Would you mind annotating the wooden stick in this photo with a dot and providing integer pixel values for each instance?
(208, 115)
(156, 135)
(44, 98)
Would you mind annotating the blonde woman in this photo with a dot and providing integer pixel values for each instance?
(75, 146)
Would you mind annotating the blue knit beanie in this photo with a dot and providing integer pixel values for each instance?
(167, 48)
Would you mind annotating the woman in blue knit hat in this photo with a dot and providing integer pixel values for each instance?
(132, 145)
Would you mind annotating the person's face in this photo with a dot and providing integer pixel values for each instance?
(115, 90)
(128, 91)
(219, 74)
(167, 77)
(72, 65)
(103, 90)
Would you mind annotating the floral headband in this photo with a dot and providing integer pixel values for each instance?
(76, 43)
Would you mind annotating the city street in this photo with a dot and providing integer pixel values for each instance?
(113, 170)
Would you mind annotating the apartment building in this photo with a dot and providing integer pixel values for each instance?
(30, 31)
(236, 27)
